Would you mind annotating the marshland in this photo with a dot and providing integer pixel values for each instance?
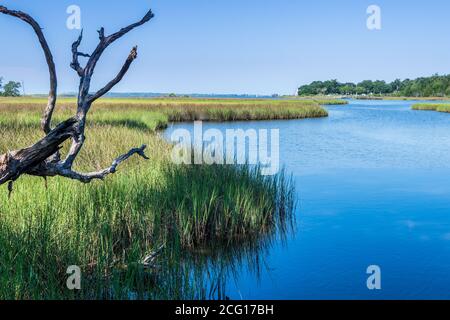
(371, 181)
(108, 227)
(440, 107)
(364, 171)
(157, 113)
(226, 230)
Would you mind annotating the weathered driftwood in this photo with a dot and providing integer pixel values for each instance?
(149, 262)
(43, 159)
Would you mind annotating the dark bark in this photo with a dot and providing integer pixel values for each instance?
(47, 116)
(43, 158)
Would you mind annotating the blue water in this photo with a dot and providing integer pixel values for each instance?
(373, 183)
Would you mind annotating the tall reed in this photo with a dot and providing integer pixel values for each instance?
(440, 107)
(108, 227)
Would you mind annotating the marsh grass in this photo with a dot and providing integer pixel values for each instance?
(328, 101)
(416, 98)
(107, 227)
(320, 100)
(440, 107)
(156, 113)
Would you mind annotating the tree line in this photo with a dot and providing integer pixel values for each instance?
(434, 86)
(10, 89)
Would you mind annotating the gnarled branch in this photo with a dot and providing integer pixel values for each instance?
(76, 54)
(131, 57)
(14, 164)
(110, 39)
(100, 175)
(48, 113)
(105, 41)
(43, 159)
(85, 99)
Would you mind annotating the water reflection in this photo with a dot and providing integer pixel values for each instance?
(372, 180)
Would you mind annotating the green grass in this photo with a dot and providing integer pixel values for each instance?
(327, 101)
(440, 107)
(159, 112)
(321, 100)
(416, 98)
(107, 227)
(444, 108)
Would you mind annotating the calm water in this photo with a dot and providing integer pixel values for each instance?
(373, 183)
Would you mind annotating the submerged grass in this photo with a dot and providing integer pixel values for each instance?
(107, 227)
(440, 107)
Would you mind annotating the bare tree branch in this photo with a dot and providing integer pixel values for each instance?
(131, 57)
(101, 34)
(75, 54)
(85, 100)
(43, 159)
(105, 41)
(48, 113)
(149, 261)
(110, 39)
(100, 175)
(14, 164)
(10, 188)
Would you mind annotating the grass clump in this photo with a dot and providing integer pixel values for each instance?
(159, 111)
(320, 100)
(327, 101)
(440, 107)
(107, 227)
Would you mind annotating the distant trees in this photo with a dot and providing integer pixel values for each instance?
(436, 85)
(10, 89)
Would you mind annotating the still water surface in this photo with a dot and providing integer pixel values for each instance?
(373, 188)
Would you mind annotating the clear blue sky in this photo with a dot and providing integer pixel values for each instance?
(233, 46)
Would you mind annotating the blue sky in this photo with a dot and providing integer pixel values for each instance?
(232, 46)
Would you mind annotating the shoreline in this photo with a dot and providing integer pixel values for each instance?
(156, 114)
(108, 228)
(438, 107)
(393, 98)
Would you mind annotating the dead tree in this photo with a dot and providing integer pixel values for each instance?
(43, 159)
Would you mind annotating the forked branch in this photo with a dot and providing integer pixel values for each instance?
(76, 54)
(131, 57)
(100, 175)
(43, 158)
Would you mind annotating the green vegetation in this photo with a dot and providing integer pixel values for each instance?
(107, 228)
(328, 101)
(440, 107)
(416, 98)
(434, 86)
(444, 108)
(156, 113)
(10, 89)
